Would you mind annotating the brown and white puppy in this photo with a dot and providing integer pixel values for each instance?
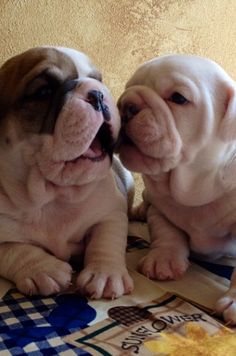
(179, 131)
(59, 196)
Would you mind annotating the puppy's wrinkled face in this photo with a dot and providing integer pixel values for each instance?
(56, 114)
(171, 112)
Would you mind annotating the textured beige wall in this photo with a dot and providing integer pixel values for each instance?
(119, 35)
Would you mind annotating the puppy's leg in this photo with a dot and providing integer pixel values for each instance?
(124, 181)
(226, 305)
(105, 273)
(168, 255)
(33, 270)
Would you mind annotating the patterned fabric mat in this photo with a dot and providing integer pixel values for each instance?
(49, 326)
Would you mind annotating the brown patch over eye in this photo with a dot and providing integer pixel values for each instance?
(41, 88)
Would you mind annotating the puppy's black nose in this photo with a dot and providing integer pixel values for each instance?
(96, 99)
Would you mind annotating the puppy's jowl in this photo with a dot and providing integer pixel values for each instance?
(179, 131)
(59, 195)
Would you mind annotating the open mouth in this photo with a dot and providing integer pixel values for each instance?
(101, 146)
(103, 143)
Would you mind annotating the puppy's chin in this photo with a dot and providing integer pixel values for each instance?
(80, 172)
(137, 161)
(132, 157)
(90, 166)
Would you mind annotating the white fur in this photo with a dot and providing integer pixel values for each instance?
(187, 155)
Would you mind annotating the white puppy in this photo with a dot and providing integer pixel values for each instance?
(179, 131)
(59, 195)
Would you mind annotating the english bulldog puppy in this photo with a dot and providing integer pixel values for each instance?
(59, 194)
(179, 131)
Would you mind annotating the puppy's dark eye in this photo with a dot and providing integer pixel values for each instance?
(178, 99)
(42, 93)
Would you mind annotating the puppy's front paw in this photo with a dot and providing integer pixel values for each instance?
(164, 264)
(108, 281)
(46, 277)
(226, 306)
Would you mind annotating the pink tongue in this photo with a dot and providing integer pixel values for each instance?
(94, 150)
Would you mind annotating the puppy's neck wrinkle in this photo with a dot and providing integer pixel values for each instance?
(7, 205)
(36, 198)
(18, 195)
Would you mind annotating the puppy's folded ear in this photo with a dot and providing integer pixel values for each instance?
(228, 123)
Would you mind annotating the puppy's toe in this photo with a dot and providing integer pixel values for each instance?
(226, 306)
(38, 284)
(128, 283)
(179, 265)
(162, 264)
(117, 285)
(104, 282)
(47, 279)
(155, 268)
(90, 284)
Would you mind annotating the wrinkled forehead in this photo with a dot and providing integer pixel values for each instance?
(81, 62)
(37, 59)
(54, 63)
(178, 68)
(187, 65)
